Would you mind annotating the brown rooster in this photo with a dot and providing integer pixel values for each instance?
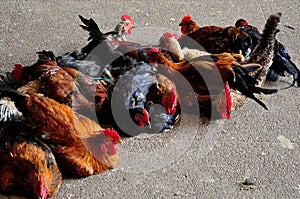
(213, 39)
(65, 85)
(80, 145)
(202, 76)
(27, 165)
(203, 73)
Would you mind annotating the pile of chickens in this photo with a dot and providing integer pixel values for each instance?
(61, 116)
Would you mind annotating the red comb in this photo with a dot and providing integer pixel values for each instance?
(17, 71)
(186, 18)
(153, 50)
(126, 17)
(110, 132)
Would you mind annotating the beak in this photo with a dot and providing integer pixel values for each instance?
(180, 24)
(120, 142)
(132, 26)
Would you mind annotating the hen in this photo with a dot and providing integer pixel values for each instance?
(213, 39)
(281, 61)
(80, 145)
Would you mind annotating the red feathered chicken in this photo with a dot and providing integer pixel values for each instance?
(213, 39)
(65, 85)
(194, 75)
(80, 145)
(203, 73)
(27, 165)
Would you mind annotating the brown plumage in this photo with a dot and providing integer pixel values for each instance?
(204, 72)
(65, 85)
(202, 75)
(96, 92)
(213, 39)
(28, 167)
(64, 131)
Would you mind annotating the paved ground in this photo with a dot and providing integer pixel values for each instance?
(190, 161)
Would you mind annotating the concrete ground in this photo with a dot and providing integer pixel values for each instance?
(190, 161)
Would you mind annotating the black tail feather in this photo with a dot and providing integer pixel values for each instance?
(46, 55)
(247, 85)
(93, 29)
(259, 102)
(11, 93)
(267, 91)
(8, 81)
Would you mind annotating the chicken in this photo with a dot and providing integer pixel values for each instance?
(172, 45)
(281, 62)
(213, 39)
(263, 53)
(81, 147)
(88, 67)
(28, 168)
(163, 92)
(96, 36)
(65, 85)
(138, 89)
(54, 81)
(204, 72)
(196, 88)
(27, 165)
(9, 114)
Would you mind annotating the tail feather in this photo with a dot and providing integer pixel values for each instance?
(247, 85)
(96, 36)
(46, 55)
(259, 102)
(91, 26)
(267, 91)
(9, 81)
(11, 93)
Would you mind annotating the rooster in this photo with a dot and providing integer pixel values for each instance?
(203, 73)
(138, 89)
(27, 165)
(80, 145)
(65, 85)
(281, 61)
(213, 39)
(96, 36)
